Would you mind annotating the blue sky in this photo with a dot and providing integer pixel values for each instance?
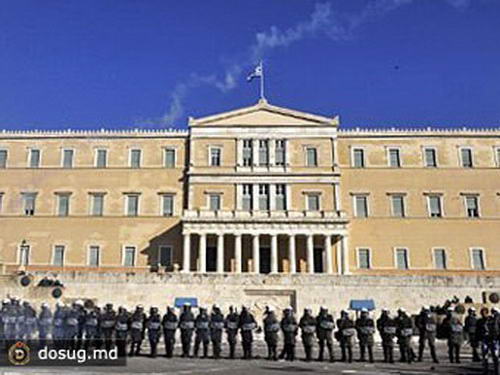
(151, 63)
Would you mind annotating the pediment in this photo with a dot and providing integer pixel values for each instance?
(263, 114)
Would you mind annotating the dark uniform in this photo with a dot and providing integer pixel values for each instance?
(387, 328)
(81, 324)
(325, 326)
(470, 333)
(108, 322)
(216, 329)
(10, 319)
(44, 324)
(246, 325)
(137, 325)
(154, 330)
(427, 328)
(202, 333)
(71, 326)
(290, 329)
(307, 326)
(169, 323)
(345, 335)
(3, 312)
(454, 330)
(487, 333)
(91, 328)
(186, 324)
(58, 325)
(404, 334)
(271, 332)
(121, 329)
(232, 323)
(30, 321)
(365, 328)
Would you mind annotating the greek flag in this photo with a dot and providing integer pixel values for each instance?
(257, 73)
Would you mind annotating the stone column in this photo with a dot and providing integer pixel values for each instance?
(274, 253)
(239, 152)
(291, 253)
(310, 253)
(345, 255)
(328, 254)
(339, 256)
(256, 253)
(186, 253)
(255, 152)
(220, 252)
(237, 253)
(338, 200)
(272, 197)
(255, 197)
(271, 144)
(202, 253)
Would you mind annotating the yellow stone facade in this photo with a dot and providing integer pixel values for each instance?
(262, 189)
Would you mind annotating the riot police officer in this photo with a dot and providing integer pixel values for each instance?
(44, 324)
(19, 315)
(487, 333)
(216, 329)
(121, 328)
(290, 329)
(108, 322)
(271, 330)
(202, 332)
(246, 325)
(137, 327)
(71, 326)
(3, 315)
(91, 328)
(307, 326)
(169, 323)
(154, 330)
(345, 335)
(232, 323)
(10, 319)
(81, 323)
(58, 334)
(427, 328)
(387, 328)
(470, 332)
(365, 328)
(325, 326)
(186, 324)
(30, 321)
(404, 334)
(455, 334)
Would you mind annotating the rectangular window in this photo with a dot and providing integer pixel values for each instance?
(364, 259)
(430, 157)
(68, 158)
(3, 158)
(24, 255)
(214, 202)
(135, 158)
(466, 156)
(440, 261)
(94, 256)
(132, 205)
(58, 258)
(402, 259)
(263, 152)
(435, 206)
(169, 158)
(215, 156)
(394, 158)
(472, 205)
(263, 197)
(167, 205)
(498, 156)
(311, 157)
(34, 159)
(478, 259)
(358, 155)
(29, 200)
(398, 205)
(280, 197)
(97, 204)
(101, 160)
(280, 155)
(361, 205)
(63, 204)
(313, 202)
(165, 256)
(247, 153)
(247, 197)
(129, 256)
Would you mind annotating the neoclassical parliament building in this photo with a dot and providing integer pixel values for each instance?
(262, 189)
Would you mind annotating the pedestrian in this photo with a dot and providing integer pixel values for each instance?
(307, 326)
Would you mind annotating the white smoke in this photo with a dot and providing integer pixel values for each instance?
(323, 21)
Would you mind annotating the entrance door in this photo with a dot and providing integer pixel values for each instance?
(211, 258)
(318, 260)
(265, 260)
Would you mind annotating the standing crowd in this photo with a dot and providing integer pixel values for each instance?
(77, 327)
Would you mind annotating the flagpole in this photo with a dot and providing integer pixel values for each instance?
(262, 80)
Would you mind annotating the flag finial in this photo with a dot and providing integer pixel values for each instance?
(258, 72)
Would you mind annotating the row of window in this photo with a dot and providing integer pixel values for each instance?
(100, 158)
(129, 255)
(439, 255)
(430, 157)
(435, 205)
(96, 203)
